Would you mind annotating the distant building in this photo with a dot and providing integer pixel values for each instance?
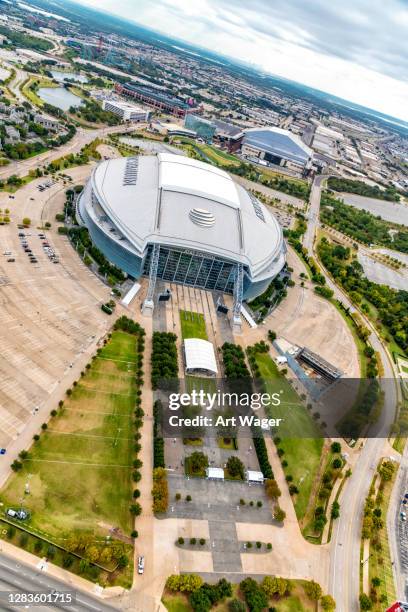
(125, 110)
(228, 135)
(278, 147)
(204, 128)
(13, 135)
(47, 122)
(156, 98)
(172, 129)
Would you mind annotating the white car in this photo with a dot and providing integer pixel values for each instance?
(140, 565)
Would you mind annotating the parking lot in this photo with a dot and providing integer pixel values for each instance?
(49, 312)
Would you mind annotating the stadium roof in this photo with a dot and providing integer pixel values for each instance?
(276, 141)
(183, 174)
(178, 201)
(199, 355)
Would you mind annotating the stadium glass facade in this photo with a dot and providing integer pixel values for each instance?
(193, 268)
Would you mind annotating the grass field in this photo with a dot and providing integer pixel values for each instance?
(80, 472)
(300, 437)
(192, 325)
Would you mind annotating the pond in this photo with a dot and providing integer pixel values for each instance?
(60, 75)
(59, 97)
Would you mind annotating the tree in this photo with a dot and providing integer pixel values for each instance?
(254, 595)
(173, 582)
(235, 605)
(198, 461)
(335, 510)
(135, 509)
(279, 515)
(337, 463)
(272, 489)
(26, 221)
(200, 601)
(273, 585)
(335, 447)
(235, 467)
(313, 590)
(190, 582)
(375, 581)
(365, 602)
(328, 604)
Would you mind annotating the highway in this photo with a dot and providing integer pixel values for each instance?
(313, 212)
(18, 576)
(344, 583)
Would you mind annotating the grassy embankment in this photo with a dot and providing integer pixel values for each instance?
(300, 436)
(80, 470)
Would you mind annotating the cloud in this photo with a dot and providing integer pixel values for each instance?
(357, 49)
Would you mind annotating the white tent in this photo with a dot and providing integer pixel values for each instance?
(215, 473)
(199, 356)
(253, 476)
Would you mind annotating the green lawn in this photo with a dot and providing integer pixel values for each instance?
(176, 602)
(300, 436)
(80, 471)
(192, 325)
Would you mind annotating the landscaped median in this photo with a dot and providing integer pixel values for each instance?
(90, 443)
(376, 577)
(188, 592)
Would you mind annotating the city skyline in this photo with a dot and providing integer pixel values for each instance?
(359, 54)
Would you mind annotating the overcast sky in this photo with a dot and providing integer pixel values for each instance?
(355, 49)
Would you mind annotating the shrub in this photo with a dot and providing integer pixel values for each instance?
(180, 541)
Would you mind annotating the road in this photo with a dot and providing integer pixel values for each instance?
(79, 140)
(18, 576)
(344, 583)
(313, 212)
(396, 539)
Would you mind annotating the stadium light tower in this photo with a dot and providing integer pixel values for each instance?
(238, 293)
(148, 304)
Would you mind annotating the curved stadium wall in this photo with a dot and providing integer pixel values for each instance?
(176, 263)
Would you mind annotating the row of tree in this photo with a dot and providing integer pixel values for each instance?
(359, 187)
(362, 225)
(392, 304)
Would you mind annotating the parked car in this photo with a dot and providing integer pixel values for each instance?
(140, 565)
(403, 516)
(11, 259)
